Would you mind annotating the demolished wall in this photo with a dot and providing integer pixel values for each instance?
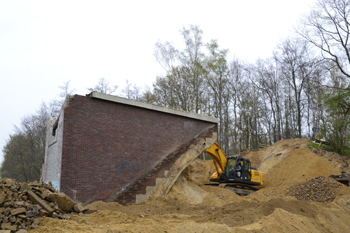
(114, 149)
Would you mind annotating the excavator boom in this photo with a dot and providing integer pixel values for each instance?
(218, 156)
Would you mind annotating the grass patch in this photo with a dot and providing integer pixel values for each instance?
(341, 151)
(312, 145)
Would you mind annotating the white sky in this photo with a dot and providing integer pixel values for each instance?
(46, 43)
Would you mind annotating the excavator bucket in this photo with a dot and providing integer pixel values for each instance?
(108, 148)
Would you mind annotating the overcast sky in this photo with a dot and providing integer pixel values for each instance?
(46, 43)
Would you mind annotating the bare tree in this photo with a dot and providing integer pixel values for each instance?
(103, 86)
(220, 96)
(268, 80)
(236, 86)
(327, 27)
(66, 90)
(56, 104)
(298, 68)
(183, 68)
(133, 92)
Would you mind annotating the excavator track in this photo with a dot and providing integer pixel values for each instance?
(242, 190)
(239, 189)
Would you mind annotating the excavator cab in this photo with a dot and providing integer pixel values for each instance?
(237, 168)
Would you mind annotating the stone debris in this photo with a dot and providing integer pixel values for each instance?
(22, 204)
(317, 189)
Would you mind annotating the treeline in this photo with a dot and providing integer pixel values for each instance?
(300, 91)
(274, 99)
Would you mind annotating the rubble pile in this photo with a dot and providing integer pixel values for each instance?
(317, 189)
(21, 204)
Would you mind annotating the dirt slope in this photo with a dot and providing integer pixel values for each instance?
(190, 206)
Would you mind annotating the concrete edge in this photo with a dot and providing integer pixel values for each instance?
(135, 103)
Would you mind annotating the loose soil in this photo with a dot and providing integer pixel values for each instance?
(297, 196)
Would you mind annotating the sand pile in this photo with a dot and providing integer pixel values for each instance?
(289, 167)
(268, 157)
(341, 162)
(299, 166)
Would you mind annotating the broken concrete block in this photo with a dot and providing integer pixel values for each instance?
(43, 213)
(35, 222)
(63, 201)
(63, 216)
(44, 193)
(90, 211)
(33, 213)
(8, 226)
(21, 231)
(2, 197)
(19, 203)
(7, 211)
(25, 186)
(8, 181)
(36, 200)
(18, 211)
(78, 207)
(12, 219)
(36, 183)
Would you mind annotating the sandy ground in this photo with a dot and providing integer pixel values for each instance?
(193, 207)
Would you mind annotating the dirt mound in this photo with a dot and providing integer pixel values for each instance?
(341, 162)
(301, 165)
(199, 171)
(272, 155)
(187, 191)
(288, 166)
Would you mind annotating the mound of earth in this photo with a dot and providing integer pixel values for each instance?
(341, 162)
(297, 196)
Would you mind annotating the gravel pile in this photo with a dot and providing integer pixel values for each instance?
(317, 190)
(21, 205)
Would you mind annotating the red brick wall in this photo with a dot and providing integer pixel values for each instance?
(108, 147)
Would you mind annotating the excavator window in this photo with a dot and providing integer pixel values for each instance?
(231, 163)
(247, 170)
(246, 166)
(239, 168)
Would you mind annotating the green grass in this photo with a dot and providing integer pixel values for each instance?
(312, 145)
(343, 152)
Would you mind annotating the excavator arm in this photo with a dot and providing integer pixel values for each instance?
(219, 158)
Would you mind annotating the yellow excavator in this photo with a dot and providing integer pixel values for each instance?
(235, 173)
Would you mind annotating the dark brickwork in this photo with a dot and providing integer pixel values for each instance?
(112, 151)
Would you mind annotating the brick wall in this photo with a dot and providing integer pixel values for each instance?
(112, 151)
